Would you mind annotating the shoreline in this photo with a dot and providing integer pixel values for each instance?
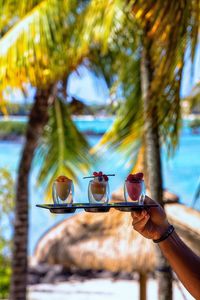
(21, 138)
(24, 118)
(86, 117)
(12, 138)
(17, 134)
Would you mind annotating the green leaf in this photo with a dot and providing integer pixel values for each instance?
(11, 11)
(38, 49)
(63, 149)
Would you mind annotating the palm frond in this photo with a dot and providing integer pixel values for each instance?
(121, 44)
(102, 19)
(63, 149)
(120, 66)
(125, 135)
(38, 49)
(49, 40)
(129, 117)
(11, 11)
(194, 98)
(172, 27)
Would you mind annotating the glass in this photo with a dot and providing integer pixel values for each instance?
(98, 192)
(134, 191)
(63, 192)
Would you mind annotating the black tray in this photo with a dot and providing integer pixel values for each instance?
(95, 208)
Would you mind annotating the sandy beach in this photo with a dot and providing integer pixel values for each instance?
(98, 289)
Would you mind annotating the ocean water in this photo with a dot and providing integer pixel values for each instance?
(181, 173)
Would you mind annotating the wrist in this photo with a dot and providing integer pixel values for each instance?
(165, 235)
(161, 230)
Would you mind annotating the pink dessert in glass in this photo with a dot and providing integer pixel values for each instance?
(134, 186)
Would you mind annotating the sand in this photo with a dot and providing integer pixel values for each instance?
(99, 289)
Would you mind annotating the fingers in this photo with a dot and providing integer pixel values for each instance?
(141, 224)
(140, 219)
(137, 215)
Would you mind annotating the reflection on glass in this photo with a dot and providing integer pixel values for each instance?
(98, 192)
(134, 191)
(63, 190)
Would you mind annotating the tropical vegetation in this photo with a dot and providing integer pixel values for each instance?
(15, 108)
(12, 128)
(138, 47)
(195, 124)
(193, 99)
(6, 225)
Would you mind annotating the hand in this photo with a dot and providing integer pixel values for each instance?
(151, 223)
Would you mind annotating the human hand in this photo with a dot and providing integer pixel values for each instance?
(151, 223)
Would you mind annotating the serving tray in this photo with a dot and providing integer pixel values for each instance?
(94, 208)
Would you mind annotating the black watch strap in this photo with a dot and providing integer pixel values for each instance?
(167, 233)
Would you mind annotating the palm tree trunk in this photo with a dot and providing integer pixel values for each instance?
(153, 160)
(37, 119)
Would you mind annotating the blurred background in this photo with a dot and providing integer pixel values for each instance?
(96, 86)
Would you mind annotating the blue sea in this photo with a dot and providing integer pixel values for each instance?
(181, 173)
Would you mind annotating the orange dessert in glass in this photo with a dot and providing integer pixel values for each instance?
(98, 190)
(63, 190)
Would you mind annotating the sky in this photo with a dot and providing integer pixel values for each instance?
(87, 87)
(92, 90)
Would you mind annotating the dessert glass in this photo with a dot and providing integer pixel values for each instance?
(134, 191)
(98, 192)
(63, 191)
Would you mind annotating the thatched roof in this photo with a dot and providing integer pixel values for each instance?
(99, 242)
(187, 223)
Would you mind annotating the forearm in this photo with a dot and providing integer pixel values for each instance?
(184, 262)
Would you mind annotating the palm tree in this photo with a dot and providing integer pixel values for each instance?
(62, 148)
(166, 30)
(43, 54)
(37, 120)
(173, 45)
(153, 159)
(37, 56)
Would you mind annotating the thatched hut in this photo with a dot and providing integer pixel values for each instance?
(98, 242)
